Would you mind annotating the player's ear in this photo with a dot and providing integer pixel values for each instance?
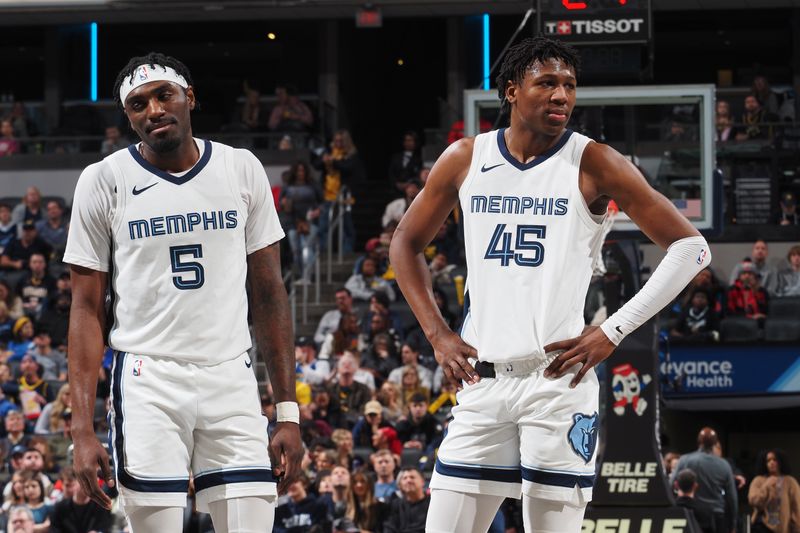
(511, 91)
(190, 97)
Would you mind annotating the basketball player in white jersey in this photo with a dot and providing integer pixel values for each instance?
(174, 226)
(533, 198)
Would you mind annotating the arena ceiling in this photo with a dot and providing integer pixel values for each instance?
(36, 12)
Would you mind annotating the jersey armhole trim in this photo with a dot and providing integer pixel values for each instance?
(269, 241)
(590, 219)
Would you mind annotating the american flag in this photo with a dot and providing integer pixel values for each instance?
(689, 208)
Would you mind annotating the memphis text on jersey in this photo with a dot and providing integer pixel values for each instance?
(171, 224)
(519, 205)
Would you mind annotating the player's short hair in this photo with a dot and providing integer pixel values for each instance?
(686, 479)
(522, 55)
(152, 59)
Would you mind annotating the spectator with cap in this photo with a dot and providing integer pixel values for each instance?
(330, 320)
(686, 485)
(29, 210)
(408, 513)
(420, 429)
(315, 371)
(717, 487)
(369, 424)
(787, 281)
(787, 214)
(746, 297)
(53, 228)
(377, 249)
(36, 287)
(395, 209)
(367, 282)
(384, 465)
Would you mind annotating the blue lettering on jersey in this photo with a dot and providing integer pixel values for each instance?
(172, 224)
(519, 205)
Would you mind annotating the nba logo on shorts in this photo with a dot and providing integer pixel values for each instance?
(137, 367)
(701, 257)
(143, 73)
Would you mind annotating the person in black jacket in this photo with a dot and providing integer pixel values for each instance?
(686, 484)
(78, 514)
(409, 513)
(302, 512)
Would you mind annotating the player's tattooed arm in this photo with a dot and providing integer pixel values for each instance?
(272, 325)
(416, 230)
(86, 327)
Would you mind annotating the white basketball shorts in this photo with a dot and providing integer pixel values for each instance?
(170, 419)
(528, 434)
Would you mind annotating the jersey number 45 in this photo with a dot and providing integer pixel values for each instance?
(500, 245)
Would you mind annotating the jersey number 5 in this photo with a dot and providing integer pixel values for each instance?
(500, 245)
(179, 266)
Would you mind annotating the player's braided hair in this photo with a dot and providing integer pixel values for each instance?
(152, 59)
(522, 55)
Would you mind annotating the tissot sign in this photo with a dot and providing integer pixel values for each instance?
(596, 21)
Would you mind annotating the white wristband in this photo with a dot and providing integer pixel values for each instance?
(288, 412)
(685, 258)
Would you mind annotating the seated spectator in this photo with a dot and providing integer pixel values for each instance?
(441, 270)
(78, 513)
(351, 394)
(754, 120)
(315, 371)
(113, 141)
(686, 485)
(767, 98)
(302, 389)
(364, 284)
(378, 322)
(788, 279)
(6, 324)
(42, 445)
(362, 375)
(51, 420)
(8, 228)
(29, 210)
(9, 145)
(445, 242)
(34, 392)
(22, 342)
(411, 384)
(395, 209)
(341, 504)
(377, 250)
(346, 337)
(386, 439)
(301, 511)
(8, 383)
(369, 424)
(34, 499)
(747, 297)
(409, 356)
(52, 361)
(53, 229)
(370, 512)
(6, 405)
(15, 494)
(392, 401)
(384, 465)
(20, 519)
(325, 408)
(405, 166)
(446, 400)
(55, 319)
(699, 321)
(380, 356)
(330, 320)
(36, 286)
(724, 122)
(758, 260)
(33, 462)
(251, 116)
(787, 214)
(706, 280)
(420, 429)
(12, 300)
(23, 127)
(290, 114)
(409, 513)
(344, 447)
(17, 255)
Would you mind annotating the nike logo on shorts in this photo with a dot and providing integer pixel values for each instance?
(484, 168)
(140, 191)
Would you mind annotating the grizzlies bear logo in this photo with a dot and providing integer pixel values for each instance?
(582, 435)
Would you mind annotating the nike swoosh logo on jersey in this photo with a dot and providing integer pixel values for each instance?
(484, 168)
(619, 330)
(248, 363)
(140, 191)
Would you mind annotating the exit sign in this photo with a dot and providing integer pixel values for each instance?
(369, 18)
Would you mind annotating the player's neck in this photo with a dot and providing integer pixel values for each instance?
(180, 159)
(525, 144)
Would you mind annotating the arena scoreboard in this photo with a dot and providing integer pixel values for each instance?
(596, 21)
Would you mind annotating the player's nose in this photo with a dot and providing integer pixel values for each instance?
(560, 94)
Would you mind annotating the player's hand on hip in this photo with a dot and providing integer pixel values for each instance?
(590, 348)
(286, 453)
(453, 354)
(88, 456)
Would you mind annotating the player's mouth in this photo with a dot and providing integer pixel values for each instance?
(557, 115)
(157, 129)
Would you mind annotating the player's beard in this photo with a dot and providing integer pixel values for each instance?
(165, 145)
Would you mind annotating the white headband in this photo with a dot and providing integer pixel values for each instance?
(147, 73)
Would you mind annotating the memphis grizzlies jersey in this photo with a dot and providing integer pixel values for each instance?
(176, 248)
(530, 242)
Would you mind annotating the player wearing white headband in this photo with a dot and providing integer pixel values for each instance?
(174, 226)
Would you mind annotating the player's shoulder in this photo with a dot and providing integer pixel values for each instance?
(98, 175)
(454, 163)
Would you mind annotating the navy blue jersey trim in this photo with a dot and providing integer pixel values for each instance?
(541, 158)
(479, 472)
(125, 479)
(177, 180)
(558, 479)
(213, 479)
